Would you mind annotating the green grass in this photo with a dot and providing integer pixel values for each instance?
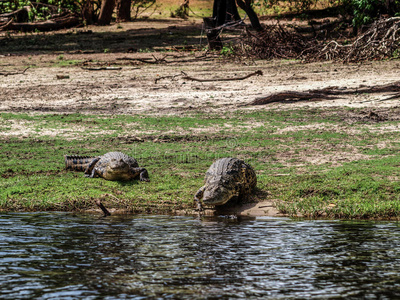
(310, 162)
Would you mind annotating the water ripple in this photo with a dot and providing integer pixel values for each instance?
(81, 256)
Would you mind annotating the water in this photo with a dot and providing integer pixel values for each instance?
(82, 256)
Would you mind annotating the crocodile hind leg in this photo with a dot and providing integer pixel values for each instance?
(91, 170)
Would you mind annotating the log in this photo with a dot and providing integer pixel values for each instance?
(290, 96)
(19, 15)
(48, 25)
(328, 93)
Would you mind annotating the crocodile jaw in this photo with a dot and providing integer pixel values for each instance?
(216, 195)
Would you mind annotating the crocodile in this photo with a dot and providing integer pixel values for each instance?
(225, 179)
(110, 166)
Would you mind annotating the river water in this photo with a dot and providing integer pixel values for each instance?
(83, 256)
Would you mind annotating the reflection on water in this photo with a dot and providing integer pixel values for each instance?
(81, 256)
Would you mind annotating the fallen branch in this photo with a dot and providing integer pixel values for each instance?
(328, 93)
(187, 77)
(166, 77)
(102, 68)
(380, 41)
(13, 73)
(164, 60)
(146, 60)
(290, 97)
(54, 24)
(19, 15)
(4, 25)
(392, 97)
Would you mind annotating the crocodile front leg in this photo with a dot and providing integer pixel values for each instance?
(198, 196)
(144, 175)
(142, 172)
(91, 170)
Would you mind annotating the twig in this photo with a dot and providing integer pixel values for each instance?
(166, 77)
(163, 60)
(145, 60)
(187, 77)
(13, 73)
(102, 207)
(392, 97)
(103, 69)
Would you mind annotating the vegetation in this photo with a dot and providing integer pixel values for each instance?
(298, 168)
(303, 162)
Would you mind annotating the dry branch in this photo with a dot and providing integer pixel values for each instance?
(53, 24)
(145, 60)
(290, 97)
(164, 60)
(4, 25)
(13, 73)
(102, 68)
(187, 77)
(19, 15)
(274, 41)
(102, 207)
(380, 41)
(328, 93)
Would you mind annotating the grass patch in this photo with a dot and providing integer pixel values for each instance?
(311, 162)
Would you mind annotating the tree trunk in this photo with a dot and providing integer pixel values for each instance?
(106, 11)
(124, 10)
(219, 12)
(88, 12)
(246, 6)
(232, 11)
(214, 41)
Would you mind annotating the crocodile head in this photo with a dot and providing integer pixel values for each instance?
(218, 193)
(118, 169)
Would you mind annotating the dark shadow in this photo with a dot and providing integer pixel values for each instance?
(84, 40)
(129, 183)
(237, 206)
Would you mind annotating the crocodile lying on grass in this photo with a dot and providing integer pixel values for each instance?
(110, 166)
(225, 179)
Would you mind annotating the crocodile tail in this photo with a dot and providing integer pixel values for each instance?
(77, 162)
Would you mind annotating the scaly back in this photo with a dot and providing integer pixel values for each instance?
(224, 166)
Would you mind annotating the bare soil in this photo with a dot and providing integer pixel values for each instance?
(159, 88)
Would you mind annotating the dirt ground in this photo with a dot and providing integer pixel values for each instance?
(76, 81)
(160, 88)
